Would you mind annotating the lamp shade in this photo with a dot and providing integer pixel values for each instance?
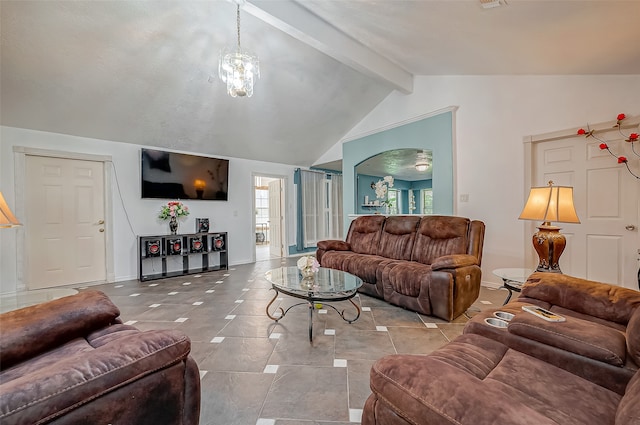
(7, 219)
(550, 203)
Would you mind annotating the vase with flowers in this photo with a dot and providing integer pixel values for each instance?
(172, 211)
(308, 266)
(381, 188)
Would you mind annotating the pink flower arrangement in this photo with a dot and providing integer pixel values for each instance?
(173, 209)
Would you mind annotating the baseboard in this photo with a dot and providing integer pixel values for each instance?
(490, 285)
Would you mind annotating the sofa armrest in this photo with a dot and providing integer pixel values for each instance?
(334, 245)
(454, 261)
(32, 330)
(46, 394)
(608, 302)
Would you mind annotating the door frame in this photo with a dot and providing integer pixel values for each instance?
(20, 157)
(531, 258)
(284, 231)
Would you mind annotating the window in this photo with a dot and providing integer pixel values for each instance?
(321, 207)
(426, 201)
(262, 204)
(393, 195)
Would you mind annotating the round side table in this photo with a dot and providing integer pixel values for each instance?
(512, 279)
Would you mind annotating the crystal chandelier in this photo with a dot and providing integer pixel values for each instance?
(238, 68)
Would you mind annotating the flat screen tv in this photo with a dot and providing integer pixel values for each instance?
(170, 175)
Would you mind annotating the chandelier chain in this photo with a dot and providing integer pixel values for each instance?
(238, 25)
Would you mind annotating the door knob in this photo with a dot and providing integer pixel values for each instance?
(101, 230)
(630, 227)
(100, 221)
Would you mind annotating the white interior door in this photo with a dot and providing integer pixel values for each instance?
(604, 246)
(276, 195)
(65, 232)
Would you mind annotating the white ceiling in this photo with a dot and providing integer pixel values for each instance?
(145, 72)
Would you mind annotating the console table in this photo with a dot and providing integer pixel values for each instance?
(161, 256)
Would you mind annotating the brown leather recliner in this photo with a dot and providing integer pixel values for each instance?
(599, 339)
(580, 371)
(72, 361)
(428, 264)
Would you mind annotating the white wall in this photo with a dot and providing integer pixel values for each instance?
(234, 216)
(495, 113)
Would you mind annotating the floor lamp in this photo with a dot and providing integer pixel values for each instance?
(549, 203)
(7, 219)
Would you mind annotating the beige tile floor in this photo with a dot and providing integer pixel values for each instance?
(257, 371)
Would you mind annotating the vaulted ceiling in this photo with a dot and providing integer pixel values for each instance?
(145, 72)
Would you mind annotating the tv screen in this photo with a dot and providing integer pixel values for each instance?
(169, 175)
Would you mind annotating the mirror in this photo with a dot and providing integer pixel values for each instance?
(412, 170)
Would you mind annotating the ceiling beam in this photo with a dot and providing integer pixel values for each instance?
(294, 19)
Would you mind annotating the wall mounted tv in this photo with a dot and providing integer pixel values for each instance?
(170, 175)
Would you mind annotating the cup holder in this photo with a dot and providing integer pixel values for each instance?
(496, 323)
(503, 315)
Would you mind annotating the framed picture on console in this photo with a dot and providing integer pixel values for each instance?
(202, 225)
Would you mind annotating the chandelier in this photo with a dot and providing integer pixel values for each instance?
(238, 68)
(423, 160)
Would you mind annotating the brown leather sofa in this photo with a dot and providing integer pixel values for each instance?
(428, 264)
(72, 361)
(580, 371)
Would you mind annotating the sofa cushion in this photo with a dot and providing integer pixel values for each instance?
(364, 234)
(365, 266)
(438, 236)
(406, 278)
(577, 336)
(398, 236)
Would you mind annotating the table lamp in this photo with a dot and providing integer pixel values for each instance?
(550, 203)
(7, 219)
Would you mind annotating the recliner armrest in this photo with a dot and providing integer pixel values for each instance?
(334, 245)
(454, 261)
(32, 330)
(79, 379)
(608, 302)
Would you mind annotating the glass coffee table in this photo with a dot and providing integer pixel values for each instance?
(327, 285)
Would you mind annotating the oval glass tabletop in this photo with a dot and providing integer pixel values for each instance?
(326, 283)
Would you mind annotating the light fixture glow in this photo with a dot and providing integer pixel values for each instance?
(238, 68)
(7, 219)
(422, 166)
